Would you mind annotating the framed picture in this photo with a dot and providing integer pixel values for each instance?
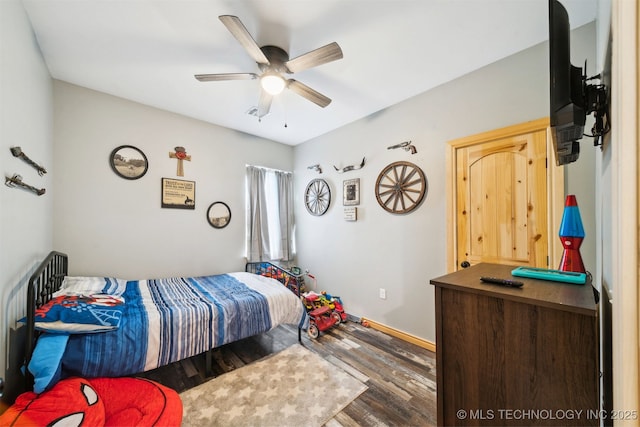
(219, 215)
(351, 213)
(178, 193)
(351, 192)
(128, 162)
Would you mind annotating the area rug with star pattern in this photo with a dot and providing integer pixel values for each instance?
(294, 387)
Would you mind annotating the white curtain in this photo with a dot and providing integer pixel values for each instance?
(285, 209)
(269, 215)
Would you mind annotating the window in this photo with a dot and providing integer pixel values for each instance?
(269, 214)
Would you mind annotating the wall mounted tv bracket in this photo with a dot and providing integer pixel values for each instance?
(596, 100)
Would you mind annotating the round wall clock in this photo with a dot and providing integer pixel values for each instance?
(317, 197)
(400, 187)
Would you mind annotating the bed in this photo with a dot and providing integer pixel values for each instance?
(108, 327)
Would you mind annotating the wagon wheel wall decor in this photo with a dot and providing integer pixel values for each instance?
(317, 197)
(401, 187)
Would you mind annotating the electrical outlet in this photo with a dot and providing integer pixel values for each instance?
(383, 293)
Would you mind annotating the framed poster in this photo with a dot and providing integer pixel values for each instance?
(351, 192)
(178, 193)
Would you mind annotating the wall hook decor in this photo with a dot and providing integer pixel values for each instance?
(350, 168)
(17, 152)
(406, 146)
(16, 181)
(316, 168)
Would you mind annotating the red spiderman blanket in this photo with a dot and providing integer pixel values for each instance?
(97, 402)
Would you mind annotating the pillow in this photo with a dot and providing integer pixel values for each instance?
(138, 402)
(79, 314)
(45, 361)
(80, 285)
(73, 401)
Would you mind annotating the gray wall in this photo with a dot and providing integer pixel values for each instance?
(401, 253)
(114, 226)
(25, 121)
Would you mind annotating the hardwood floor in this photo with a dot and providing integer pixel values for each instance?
(401, 376)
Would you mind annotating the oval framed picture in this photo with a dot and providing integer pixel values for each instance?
(128, 162)
(219, 215)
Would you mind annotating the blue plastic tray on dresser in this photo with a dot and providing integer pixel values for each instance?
(553, 275)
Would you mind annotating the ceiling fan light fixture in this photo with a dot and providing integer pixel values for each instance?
(274, 63)
(272, 83)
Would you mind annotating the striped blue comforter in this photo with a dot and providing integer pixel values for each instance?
(171, 319)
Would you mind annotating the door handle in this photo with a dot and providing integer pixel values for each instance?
(465, 264)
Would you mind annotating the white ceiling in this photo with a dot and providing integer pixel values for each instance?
(149, 50)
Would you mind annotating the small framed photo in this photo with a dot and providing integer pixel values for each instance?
(351, 192)
(218, 215)
(178, 193)
(128, 162)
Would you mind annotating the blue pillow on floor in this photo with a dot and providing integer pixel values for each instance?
(45, 361)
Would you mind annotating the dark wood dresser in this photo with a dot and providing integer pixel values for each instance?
(515, 356)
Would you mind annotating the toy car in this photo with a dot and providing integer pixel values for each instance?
(311, 300)
(321, 319)
(314, 300)
(336, 304)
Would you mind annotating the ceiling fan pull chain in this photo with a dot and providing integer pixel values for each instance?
(284, 108)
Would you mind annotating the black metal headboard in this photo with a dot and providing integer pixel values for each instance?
(44, 281)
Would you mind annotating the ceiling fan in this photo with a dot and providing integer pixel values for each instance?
(273, 62)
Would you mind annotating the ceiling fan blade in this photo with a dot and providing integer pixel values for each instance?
(322, 55)
(306, 92)
(239, 31)
(228, 76)
(264, 104)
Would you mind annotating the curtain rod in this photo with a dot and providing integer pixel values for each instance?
(268, 169)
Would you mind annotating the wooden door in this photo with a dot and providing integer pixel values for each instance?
(501, 197)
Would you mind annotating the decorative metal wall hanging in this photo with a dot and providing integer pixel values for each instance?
(350, 168)
(181, 155)
(401, 187)
(17, 152)
(317, 197)
(128, 162)
(316, 168)
(16, 181)
(406, 146)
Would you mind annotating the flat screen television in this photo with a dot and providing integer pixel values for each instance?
(567, 100)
